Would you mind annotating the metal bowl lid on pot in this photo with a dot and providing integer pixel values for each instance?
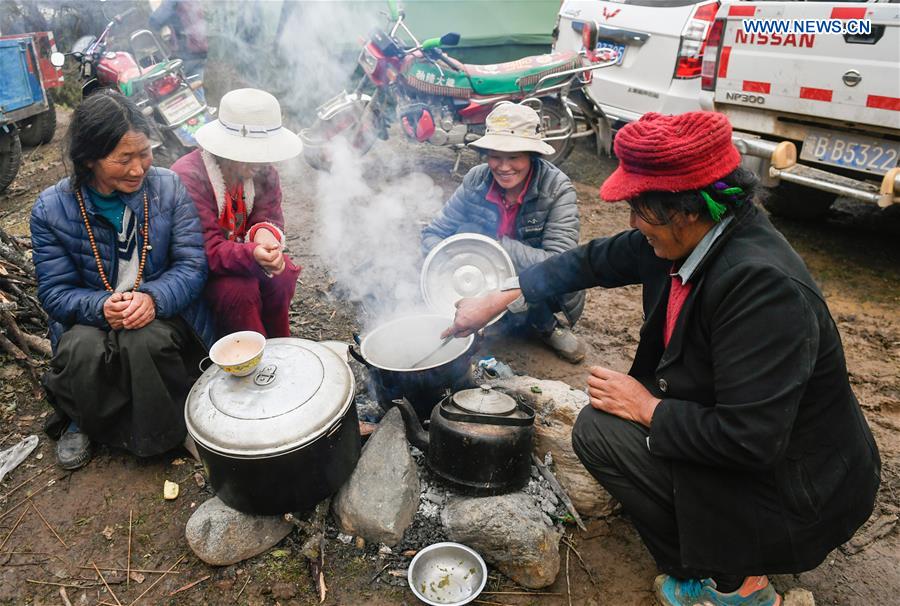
(464, 265)
(297, 393)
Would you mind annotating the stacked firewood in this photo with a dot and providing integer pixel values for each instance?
(22, 320)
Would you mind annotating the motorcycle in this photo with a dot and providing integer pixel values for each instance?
(146, 74)
(441, 101)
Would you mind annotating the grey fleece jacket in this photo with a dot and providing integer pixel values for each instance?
(547, 223)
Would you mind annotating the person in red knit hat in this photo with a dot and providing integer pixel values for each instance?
(734, 443)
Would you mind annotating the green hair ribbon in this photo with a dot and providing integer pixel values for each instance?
(716, 209)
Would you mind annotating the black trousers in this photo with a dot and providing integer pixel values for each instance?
(126, 388)
(615, 452)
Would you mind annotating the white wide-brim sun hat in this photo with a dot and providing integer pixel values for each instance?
(249, 129)
(512, 128)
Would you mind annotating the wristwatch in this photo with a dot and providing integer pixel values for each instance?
(519, 305)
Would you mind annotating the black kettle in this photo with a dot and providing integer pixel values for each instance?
(479, 440)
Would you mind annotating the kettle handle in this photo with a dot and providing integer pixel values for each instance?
(354, 353)
(488, 419)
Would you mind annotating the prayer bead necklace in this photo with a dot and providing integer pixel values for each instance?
(146, 246)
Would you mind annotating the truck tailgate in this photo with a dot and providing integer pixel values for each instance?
(19, 85)
(649, 36)
(846, 77)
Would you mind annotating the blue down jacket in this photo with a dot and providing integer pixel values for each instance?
(69, 285)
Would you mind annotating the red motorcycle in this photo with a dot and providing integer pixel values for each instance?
(156, 83)
(439, 100)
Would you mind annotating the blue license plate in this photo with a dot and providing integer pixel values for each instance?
(619, 48)
(857, 152)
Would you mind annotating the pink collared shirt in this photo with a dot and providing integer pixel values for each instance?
(508, 212)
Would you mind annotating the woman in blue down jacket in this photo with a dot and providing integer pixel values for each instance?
(120, 267)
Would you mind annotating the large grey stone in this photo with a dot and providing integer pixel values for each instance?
(379, 500)
(220, 535)
(509, 532)
(556, 407)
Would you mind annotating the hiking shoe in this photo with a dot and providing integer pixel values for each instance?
(679, 592)
(566, 344)
(73, 450)
(754, 591)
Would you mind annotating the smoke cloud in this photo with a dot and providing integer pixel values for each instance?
(319, 44)
(371, 208)
(370, 228)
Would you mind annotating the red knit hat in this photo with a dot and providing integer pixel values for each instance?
(671, 153)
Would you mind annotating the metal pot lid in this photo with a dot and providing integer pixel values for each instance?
(299, 390)
(464, 265)
(484, 400)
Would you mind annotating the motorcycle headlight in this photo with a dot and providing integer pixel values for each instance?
(368, 61)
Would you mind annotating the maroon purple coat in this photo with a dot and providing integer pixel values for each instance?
(241, 294)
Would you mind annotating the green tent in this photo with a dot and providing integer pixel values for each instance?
(305, 51)
(491, 31)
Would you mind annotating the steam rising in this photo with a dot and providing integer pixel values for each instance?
(319, 44)
(370, 209)
(370, 239)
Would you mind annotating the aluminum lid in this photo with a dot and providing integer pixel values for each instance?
(298, 391)
(464, 265)
(484, 400)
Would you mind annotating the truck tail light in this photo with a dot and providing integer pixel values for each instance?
(693, 41)
(711, 56)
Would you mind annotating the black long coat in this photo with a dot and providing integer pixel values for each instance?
(772, 460)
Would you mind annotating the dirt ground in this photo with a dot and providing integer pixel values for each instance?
(92, 512)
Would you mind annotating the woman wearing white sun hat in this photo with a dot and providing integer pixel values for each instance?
(238, 196)
(529, 206)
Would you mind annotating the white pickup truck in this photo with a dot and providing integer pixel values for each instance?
(814, 98)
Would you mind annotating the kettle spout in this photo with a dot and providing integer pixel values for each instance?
(415, 433)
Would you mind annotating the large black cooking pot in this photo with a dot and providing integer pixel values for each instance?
(282, 438)
(390, 351)
(479, 440)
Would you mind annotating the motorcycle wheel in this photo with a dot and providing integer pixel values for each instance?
(359, 125)
(554, 118)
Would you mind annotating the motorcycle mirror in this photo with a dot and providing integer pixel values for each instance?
(589, 35)
(451, 39)
(57, 59)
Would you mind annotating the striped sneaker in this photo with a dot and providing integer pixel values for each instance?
(754, 591)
